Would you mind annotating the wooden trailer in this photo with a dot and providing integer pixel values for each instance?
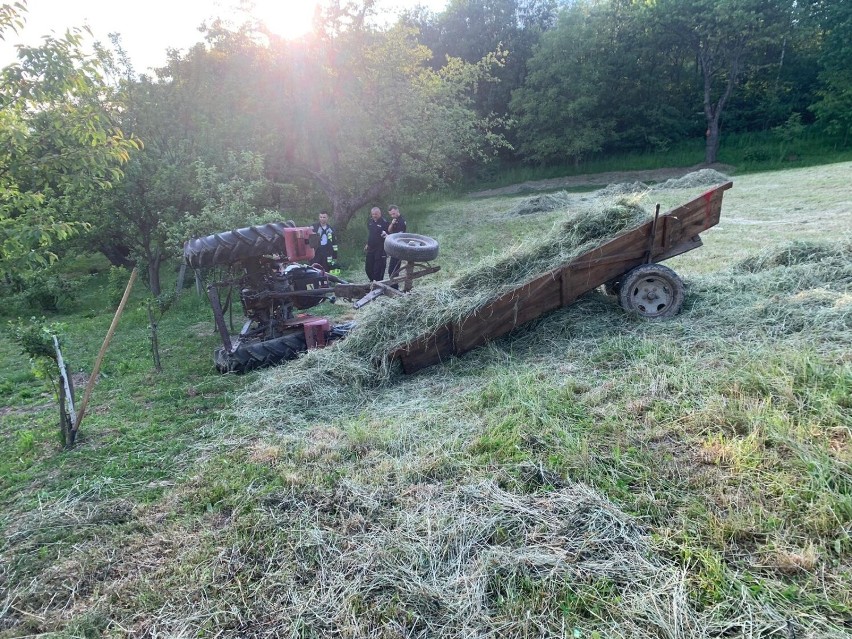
(626, 265)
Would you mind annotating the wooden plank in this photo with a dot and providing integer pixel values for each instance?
(508, 311)
(100, 358)
(678, 249)
(425, 351)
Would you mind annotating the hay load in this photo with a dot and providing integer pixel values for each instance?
(362, 361)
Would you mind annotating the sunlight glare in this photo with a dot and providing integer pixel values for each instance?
(286, 18)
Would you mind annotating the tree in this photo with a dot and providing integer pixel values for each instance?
(726, 37)
(834, 106)
(559, 110)
(58, 141)
(472, 29)
(365, 114)
(190, 118)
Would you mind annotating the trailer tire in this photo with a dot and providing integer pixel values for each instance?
(221, 249)
(248, 357)
(652, 291)
(411, 247)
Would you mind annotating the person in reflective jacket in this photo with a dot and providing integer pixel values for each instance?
(326, 253)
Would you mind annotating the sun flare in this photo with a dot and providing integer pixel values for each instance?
(286, 18)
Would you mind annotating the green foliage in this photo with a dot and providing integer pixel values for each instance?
(644, 76)
(229, 197)
(58, 142)
(834, 106)
(406, 124)
(48, 292)
(45, 291)
(35, 338)
(116, 284)
(472, 29)
(561, 112)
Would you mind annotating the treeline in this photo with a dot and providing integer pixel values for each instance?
(592, 76)
(245, 127)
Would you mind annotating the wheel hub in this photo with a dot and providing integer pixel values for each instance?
(652, 296)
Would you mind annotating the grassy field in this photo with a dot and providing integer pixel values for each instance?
(591, 475)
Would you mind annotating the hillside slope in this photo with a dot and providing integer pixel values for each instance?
(589, 475)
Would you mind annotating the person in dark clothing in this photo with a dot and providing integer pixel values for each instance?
(326, 253)
(396, 225)
(375, 259)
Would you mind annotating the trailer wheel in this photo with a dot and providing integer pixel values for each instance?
(652, 291)
(248, 357)
(226, 248)
(411, 247)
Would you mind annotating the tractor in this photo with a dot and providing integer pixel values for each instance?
(268, 267)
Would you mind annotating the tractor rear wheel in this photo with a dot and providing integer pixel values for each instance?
(221, 249)
(652, 291)
(248, 357)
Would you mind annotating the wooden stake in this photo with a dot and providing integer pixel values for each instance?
(155, 341)
(101, 354)
(63, 372)
(181, 276)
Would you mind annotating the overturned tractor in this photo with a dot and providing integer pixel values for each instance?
(268, 267)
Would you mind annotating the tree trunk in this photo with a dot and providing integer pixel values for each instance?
(117, 255)
(154, 263)
(712, 145)
(713, 112)
(342, 214)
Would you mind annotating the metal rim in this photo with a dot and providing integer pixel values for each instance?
(652, 296)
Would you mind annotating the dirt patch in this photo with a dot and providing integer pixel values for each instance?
(15, 410)
(602, 179)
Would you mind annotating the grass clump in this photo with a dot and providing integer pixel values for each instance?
(795, 253)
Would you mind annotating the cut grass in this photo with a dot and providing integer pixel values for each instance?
(590, 474)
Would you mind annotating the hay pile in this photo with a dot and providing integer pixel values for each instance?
(444, 563)
(703, 177)
(562, 200)
(800, 287)
(625, 188)
(343, 372)
(543, 203)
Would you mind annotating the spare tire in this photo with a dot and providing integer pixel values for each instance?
(248, 357)
(231, 246)
(410, 247)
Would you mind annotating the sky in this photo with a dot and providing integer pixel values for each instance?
(149, 27)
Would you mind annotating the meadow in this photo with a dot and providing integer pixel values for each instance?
(590, 475)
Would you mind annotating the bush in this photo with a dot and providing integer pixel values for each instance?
(41, 292)
(116, 284)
